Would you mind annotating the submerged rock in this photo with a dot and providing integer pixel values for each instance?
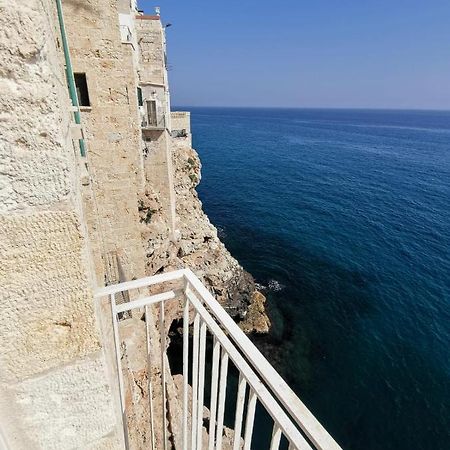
(256, 320)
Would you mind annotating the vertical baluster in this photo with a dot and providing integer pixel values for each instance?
(201, 384)
(249, 421)
(194, 380)
(149, 379)
(239, 412)
(185, 371)
(214, 383)
(276, 437)
(222, 395)
(119, 370)
(162, 327)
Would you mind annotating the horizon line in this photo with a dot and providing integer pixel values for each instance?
(354, 108)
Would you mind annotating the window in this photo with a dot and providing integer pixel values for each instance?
(82, 89)
(139, 96)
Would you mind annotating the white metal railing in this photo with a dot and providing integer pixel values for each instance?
(258, 381)
(157, 122)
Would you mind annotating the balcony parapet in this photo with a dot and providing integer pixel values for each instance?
(180, 123)
(158, 124)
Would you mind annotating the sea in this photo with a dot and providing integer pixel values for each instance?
(343, 219)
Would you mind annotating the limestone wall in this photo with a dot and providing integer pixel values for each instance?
(112, 130)
(200, 248)
(151, 62)
(158, 200)
(116, 178)
(69, 224)
(53, 379)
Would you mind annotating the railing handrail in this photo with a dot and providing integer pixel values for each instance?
(140, 283)
(298, 410)
(263, 394)
(312, 428)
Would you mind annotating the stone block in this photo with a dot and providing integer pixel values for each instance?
(46, 306)
(56, 409)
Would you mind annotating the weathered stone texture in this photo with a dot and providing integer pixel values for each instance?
(137, 369)
(53, 384)
(112, 129)
(199, 246)
(151, 61)
(202, 251)
(47, 318)
(120, 222)
(33, 170)
(56, 406)
(181, 120)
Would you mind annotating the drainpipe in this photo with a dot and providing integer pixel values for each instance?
(69, 74)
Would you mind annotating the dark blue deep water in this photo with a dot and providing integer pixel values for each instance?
(345, 215)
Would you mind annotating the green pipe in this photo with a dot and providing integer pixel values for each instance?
(69, 74)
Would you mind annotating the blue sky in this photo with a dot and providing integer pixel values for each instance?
(316, 53)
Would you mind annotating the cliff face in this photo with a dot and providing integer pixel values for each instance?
(197, 244)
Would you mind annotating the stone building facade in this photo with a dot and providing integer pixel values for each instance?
(71, 223)
(111, 124)
(55, 390)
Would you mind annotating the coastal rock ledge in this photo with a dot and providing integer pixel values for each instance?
(197, 244)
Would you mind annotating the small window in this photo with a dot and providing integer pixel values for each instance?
(139, 96)
(82, 89)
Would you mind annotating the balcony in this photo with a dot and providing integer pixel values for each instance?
(153, 123)
(215, 354)
(153, 118)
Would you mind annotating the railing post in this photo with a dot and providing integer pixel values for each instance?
(201, 384)
(119, 371)
(194, 381)
(185, 366)
(213, 404)
(162, 326)
(249, 421)
(149, 378)
(276, 437)
(239, 412)
(222, 395)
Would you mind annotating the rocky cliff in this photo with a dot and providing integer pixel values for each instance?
(197, 244)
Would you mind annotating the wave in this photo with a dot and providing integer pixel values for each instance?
(272, 285)
(221, 233)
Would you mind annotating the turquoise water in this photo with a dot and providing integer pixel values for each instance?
(345, 217)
